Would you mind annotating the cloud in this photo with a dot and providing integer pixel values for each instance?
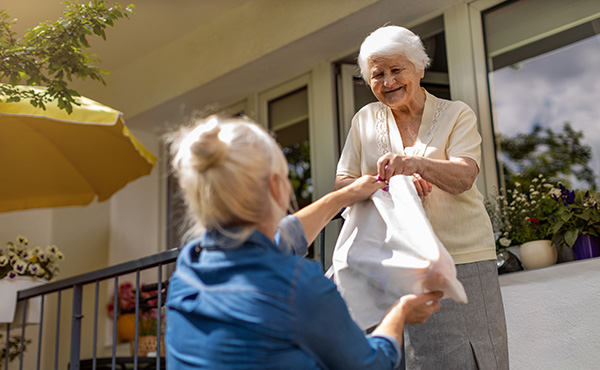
(550, 89)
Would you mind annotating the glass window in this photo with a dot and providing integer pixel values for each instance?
(288, 120)
(544, 82)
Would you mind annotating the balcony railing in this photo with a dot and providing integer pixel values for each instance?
(76, 284)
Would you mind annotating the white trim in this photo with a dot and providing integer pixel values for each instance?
(483, 5)
(489, 156)
(234, 108)
(163, 166)
(463, 83)
(347, 74)
(285, 88)
(323, 128)
(323, 145)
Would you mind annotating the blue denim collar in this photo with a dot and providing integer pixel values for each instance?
(213, 238)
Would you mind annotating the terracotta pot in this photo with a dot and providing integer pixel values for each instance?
(537, 254)
(126, 326)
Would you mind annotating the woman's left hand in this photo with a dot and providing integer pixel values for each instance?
(423, 186)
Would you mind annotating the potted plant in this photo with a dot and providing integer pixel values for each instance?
(125, 312)
(577, 222)
(147, 317)
(524, 217)
(22, 267)
(496, 207)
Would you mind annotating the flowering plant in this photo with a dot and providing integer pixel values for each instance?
(578, 213)
(523, 215)
(20, 260)
(125, 300)
(148, 301)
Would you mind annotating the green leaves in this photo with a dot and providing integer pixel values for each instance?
(580, 214)
(556, 154)
(51, 54)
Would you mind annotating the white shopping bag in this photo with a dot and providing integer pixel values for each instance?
(386, 249)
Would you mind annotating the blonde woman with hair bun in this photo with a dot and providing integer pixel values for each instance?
(242, 295)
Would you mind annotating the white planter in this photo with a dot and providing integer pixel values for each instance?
(10, 312)
(538, 253)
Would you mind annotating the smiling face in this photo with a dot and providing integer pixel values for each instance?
(395, 81)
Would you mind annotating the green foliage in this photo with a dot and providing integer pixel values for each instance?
(52, 54)
(14, 348)
(578, 213)
(298, 157)
(556, 155)
(523, 214)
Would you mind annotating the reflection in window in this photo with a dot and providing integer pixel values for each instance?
(288, 120)
(545, 97)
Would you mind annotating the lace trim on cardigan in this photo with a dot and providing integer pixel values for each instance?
(440, 108)
(381, 130)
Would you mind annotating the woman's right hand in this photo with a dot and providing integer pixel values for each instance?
(418, 307)
(410, 309)
(362, 188)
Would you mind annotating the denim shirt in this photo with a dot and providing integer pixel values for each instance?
(260, 306)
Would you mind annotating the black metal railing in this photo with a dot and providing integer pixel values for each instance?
(76, 284)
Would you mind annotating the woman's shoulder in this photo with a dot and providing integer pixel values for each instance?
(370, 109)
(454, 105)
(372, 112)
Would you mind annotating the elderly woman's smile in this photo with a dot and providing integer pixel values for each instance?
(395, 81)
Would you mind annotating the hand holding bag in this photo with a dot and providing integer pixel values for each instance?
(387, 248)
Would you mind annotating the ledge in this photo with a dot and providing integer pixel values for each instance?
(552, 316)
(553, 272)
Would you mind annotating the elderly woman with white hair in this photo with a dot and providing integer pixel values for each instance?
(411, 132)
(242, 297)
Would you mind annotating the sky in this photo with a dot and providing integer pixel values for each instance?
(550, 89)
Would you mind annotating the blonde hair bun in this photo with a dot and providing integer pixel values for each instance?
(208, 150)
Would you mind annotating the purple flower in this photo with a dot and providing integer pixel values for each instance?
(11, 275)
(19, 267)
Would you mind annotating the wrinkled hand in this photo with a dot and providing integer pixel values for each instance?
(423, 186)
(362, 188)
(418, 307)
(391, 164)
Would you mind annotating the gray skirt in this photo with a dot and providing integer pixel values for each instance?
(459, 336)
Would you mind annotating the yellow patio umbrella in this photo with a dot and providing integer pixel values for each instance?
(49, 158)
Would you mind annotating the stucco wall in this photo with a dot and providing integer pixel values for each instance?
(81, 233)
(553, 316)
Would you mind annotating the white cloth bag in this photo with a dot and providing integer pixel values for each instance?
(387, 248)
